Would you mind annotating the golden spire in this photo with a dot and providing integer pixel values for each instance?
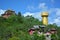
(44, 16)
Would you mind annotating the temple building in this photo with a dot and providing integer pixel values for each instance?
(8, 13)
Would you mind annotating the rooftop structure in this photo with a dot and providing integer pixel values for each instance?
(8, 13)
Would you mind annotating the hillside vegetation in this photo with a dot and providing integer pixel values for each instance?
(16, 27)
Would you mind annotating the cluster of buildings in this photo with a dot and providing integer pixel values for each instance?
(44, 16)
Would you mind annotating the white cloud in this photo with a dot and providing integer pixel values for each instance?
(35, 15)
(30, 8)
(56, 14)
(42, 5)
(28, 13)
(58, 11)
(57, 21)
(2, 11)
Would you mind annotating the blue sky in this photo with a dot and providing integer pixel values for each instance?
(34, 8)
